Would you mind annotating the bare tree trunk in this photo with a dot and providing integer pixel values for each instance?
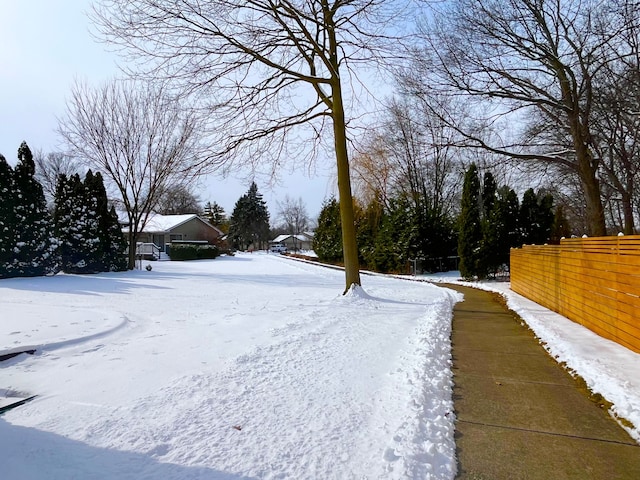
(592, 193)
(349, 245)
(627, 210)
(132, 248)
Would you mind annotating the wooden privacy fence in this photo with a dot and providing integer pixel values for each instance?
(593, 281)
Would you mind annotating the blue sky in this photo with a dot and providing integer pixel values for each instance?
(46, 44)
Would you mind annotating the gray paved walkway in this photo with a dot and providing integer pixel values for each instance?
(519, 414)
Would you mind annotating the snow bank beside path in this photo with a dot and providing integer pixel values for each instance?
(609, 369)
(242, 367)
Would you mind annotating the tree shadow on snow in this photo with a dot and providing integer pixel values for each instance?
(32, 454)
(80, 284)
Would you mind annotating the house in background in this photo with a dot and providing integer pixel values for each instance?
(301, 241)
(164, 229)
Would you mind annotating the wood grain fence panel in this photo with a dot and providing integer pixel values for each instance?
(592, 281)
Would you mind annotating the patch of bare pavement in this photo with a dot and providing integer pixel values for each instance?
(521, 415)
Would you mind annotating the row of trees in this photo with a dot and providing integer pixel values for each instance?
(82, 236)
(89, 234)
(492, 221)
(388, 237)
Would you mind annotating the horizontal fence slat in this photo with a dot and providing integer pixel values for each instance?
(593, 281)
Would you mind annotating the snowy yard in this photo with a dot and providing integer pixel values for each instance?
(252, 366)
(249, 367)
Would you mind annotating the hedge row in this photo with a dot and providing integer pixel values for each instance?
(193, 252)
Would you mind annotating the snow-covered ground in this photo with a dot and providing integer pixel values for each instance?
(608, 368)
(253, 366)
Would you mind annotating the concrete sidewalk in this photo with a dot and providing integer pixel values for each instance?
(520, 415)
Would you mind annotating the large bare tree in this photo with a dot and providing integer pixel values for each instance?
(141, 140)
(410, 154)
(617, 116)
(50, 166)
(274, 73)
(533, 63)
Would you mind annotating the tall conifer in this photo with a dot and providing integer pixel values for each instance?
(7, 219)
(111, 255)
(327, 239)
(35, 246)
(470, 228)
(249, 222)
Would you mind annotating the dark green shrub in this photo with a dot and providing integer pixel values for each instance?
(193, 252)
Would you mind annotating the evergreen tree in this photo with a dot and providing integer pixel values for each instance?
(489, 189)
(528, 216)
(368, 222)
(470, 227)
(111, 254)
(35, 247)
(545, 219)
(327, 239)
(116, 256)
(501, 230)
(216, 216)
(512, 215)
(91, 240)
(397, 238)
(536, 218)
(7, 219)
(249, 223)
(76, 226)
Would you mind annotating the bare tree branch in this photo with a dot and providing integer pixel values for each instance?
(139, 138)
(269, 73)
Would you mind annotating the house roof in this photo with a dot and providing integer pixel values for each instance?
(303, 237)
(164, 223)
(157, 223)
(280, 238)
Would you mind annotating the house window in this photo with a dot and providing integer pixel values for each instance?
(175, 236)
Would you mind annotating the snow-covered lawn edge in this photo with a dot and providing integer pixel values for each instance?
(607, 368)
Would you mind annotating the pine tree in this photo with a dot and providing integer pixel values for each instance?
(116, 257)
(489, 189)
(259, 217)
(7, 219)
(111, 255)
(512, 215)
(91, 240)
(528, 216)
(397, 238)
(487, 261)
(215, 214)
(35, 247)
(536, 218)
(545, 219)
(249, 223)
(76, 226)
(470, 227)
(501, 226)
(327, 239)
